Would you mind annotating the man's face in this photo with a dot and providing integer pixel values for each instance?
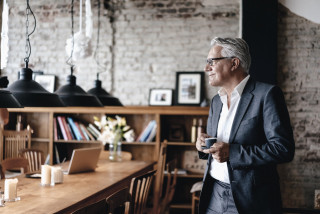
(220, 71)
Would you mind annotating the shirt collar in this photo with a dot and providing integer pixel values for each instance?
(239, 88)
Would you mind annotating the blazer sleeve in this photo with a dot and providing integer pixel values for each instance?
(277, 146)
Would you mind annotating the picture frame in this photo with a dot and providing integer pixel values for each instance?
(160, 97)
(189, 88)
(47, 81)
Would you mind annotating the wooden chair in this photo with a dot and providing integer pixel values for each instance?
(35, 158)
(13, 141)
(116, 202)
(172, 173)
(195, 190)
(139, 190)
(94, 208)
(15, 163)
(126, 156)
(159, 177)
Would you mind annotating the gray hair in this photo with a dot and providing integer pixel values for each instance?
(234, 47)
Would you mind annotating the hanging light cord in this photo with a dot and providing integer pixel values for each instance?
(69, 60)
(97, 47)
(28, 44)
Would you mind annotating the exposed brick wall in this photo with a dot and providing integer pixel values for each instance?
(153, 39)
(299, 77)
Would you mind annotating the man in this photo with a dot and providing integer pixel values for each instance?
(251, 122)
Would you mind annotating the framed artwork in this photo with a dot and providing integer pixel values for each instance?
(189, 88)
(160, 97)
(46, 81)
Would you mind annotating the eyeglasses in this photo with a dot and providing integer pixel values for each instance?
(211, 60)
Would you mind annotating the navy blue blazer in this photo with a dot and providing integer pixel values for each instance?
(261, 137)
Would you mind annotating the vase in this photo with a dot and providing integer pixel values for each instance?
(115, 151)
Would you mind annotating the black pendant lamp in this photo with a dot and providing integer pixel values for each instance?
(7, 100)
(73, 95)
(28, 92)
(105, 98)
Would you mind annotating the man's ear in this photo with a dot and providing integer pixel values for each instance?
(235, 63)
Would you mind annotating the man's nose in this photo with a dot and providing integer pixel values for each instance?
(207, 67)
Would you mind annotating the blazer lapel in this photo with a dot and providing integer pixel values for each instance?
(244, 103)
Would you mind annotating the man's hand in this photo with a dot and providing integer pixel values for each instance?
(201, 141)
(219, 151)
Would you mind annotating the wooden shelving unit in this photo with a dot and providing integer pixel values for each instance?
(41, 121)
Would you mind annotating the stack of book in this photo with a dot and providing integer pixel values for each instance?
(67, 128)
(148, 133)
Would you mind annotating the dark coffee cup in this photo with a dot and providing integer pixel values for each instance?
(209, 142)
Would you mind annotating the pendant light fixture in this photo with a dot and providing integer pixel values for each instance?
(71, 94)
(7, 100)
(27, 91)
(105, 98)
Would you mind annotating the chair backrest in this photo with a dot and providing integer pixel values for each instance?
(35, 158)
(13, 141)
(116, 202)
(94, 208)
(172, 172)
(15, 163)
(126, 156)
(139, 190)
(159, 177)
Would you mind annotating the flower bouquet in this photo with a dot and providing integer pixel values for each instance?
(113, 131)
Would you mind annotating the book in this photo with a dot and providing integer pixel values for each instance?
(55, 131)
(94, 129)
(93, 133)
(57, 154)
(66, 127)
(147, 131)
(74, 128)
(80, 131)
(62, 128)
(85, 132)
(152, 133)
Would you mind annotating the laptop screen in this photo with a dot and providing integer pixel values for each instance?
(84, 160)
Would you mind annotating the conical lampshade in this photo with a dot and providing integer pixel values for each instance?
(105, 98)
(8, 100)
(29, 93)
(73, 95)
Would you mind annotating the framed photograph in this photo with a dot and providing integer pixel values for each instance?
(46, 81)
(189, 88)
(160, 97)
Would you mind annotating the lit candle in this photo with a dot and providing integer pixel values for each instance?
(45, 175)
(10, 189)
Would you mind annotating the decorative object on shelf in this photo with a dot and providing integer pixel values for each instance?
(189, 88)
(27, 91)
(113, 131)
(105, 98)
(176, 133)
(160, 97)
(317, 199)
(192, 163)
(47, 81)
(71, 94)
(194, 130)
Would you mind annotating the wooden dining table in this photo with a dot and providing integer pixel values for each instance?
(76, 191)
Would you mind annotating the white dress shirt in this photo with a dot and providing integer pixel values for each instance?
(218, 170)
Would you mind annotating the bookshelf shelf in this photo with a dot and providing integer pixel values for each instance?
(167, 118)
(77, 141)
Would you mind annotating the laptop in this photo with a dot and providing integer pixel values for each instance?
(82, 160)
